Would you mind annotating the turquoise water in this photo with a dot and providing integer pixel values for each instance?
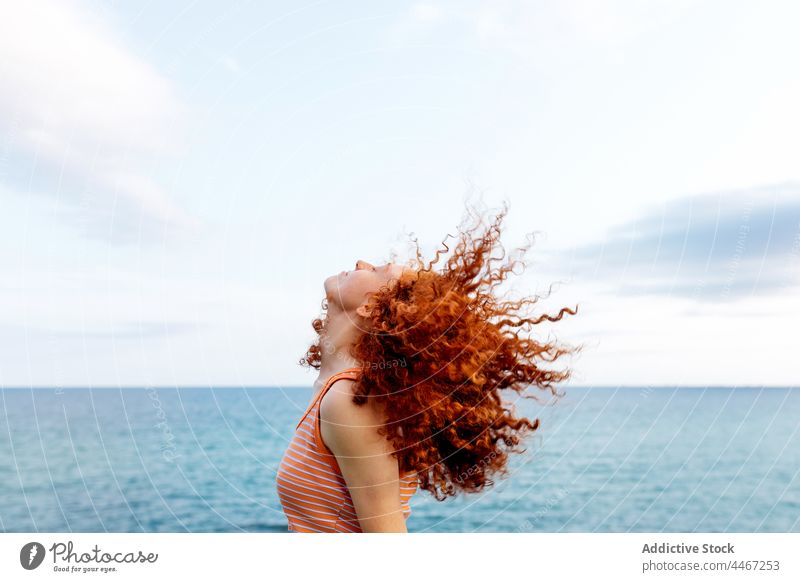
(604, 459)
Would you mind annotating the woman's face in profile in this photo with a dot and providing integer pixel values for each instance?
(350, 289)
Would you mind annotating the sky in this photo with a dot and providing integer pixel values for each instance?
(177, 179)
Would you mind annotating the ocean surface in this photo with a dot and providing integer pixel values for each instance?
(204, 460)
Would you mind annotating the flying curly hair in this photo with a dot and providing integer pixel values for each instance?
(437, 350)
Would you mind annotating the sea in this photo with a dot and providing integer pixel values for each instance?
(604, 459)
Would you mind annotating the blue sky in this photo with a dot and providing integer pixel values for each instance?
(177, 179)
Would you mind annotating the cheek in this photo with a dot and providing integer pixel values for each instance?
(354, 290)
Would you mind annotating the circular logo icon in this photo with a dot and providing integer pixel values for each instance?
(31, 555)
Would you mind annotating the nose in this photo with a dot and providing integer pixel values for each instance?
(363, 265)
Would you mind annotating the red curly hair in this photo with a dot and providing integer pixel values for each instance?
(438, 349)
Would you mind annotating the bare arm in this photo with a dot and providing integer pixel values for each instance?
(364, 457)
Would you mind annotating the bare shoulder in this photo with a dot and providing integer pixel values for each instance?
(347, 427)
(364, 456)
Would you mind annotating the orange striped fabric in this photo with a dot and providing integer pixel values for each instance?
(311, 489)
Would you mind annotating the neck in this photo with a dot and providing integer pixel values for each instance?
(338, 336)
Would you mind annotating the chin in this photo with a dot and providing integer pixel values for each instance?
(331, 284)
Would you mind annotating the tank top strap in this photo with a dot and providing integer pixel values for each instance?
(351, 373)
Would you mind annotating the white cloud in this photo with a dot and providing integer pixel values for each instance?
(83, 105)
(548, 33)
(765, 146)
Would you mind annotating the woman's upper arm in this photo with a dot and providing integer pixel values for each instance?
(364, 457)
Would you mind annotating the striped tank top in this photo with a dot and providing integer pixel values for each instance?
(311, 489)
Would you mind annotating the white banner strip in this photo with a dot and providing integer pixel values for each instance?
(389, 557)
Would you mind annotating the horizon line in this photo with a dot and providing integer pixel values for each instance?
(297, 387)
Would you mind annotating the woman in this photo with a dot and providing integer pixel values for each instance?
(412, 361)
